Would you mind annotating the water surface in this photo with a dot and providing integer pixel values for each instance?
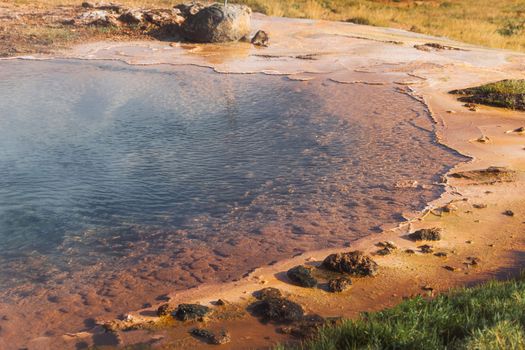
(120, 183)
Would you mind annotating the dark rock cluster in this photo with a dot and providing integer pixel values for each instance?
(354, 263)
(426, 234)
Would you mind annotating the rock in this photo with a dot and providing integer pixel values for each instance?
(471, 107)
(266, 293)
(306, 328)
(338, 285)
(410, 251)
(131, 17)
(302, 276)
(163, 17)
(164, 310)
(192, 9)
(479, 206)
(388, 248)
(220, 302)
(186, 312)
(99, 18)
(519, 130)
(261, 38)
(449, 208)
(354, 263)
(426, 234)
(508, 213)
(386, 244)
(441, 254)
(483, 139)
(385, 251)
(211, 337)
(279, 310)
(88, 5)
(217, 23)
(426, 249)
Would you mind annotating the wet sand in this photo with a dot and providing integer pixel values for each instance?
(351, 54)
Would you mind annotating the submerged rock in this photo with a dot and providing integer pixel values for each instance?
(186, 312)
(353, 263)
(261, 38)
(216, 23)
(302, 276)
(426, 234)
(279, 310)
(338, 285)
(210, 337)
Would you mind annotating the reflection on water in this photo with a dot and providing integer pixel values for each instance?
(122, 181)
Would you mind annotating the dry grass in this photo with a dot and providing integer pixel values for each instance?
(499, 24)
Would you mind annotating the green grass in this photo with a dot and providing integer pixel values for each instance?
(510, 87)
(505, 93)
(491, 316)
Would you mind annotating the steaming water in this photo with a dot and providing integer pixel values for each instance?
(125, 181)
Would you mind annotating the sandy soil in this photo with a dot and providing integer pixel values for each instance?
(306, 50)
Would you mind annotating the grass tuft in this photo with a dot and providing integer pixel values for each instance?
(504, 93)
(490, 316)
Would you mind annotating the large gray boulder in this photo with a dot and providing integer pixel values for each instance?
(217, 23)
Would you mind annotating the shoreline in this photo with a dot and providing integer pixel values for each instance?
(401, 275)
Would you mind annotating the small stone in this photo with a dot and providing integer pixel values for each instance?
(426, 234)
(451, 112)
(426, 249)
(186, 312)
(338, 285)
(410, 251)
(386, 244)
(451, 268)
(469, 242)
(441, 254)
(164, 310)
(479, 206)
(261, 38)
(483, 139)
(508, 213)
(520, 129)
(473, 261)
